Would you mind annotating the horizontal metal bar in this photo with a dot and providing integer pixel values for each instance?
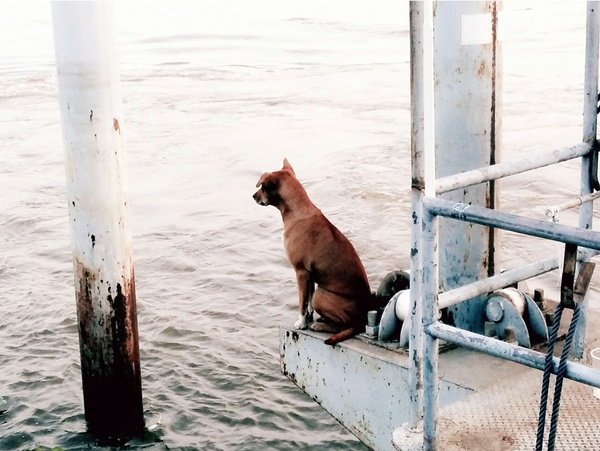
(496, 282)
(513, 223)
(497, 171)
(528, 357)
(553, 211)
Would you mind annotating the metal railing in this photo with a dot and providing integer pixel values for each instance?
(426, 330)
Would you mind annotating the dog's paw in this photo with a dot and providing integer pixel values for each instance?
(301, 323)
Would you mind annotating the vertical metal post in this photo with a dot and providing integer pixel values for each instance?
(417, 12)
(429, 245)
(92, 125)
(590, 115)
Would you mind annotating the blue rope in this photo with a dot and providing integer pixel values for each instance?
(560, 375)
(548, 366)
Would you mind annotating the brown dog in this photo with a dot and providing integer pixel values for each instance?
(320, 254)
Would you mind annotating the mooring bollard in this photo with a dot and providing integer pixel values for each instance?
(90, 107)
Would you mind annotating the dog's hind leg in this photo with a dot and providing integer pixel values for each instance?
(321, 326)
(339, 316)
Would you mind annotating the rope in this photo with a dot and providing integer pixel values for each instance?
(548, 365)
(560, 375)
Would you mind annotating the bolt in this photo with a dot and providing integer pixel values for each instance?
(539, 299)
(372, 318)
(490, 329)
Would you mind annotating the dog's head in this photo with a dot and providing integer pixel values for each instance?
(270, 185)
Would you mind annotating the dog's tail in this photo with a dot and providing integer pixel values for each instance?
(343, 335)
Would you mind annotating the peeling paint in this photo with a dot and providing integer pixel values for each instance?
(104, 285)
(341, 380)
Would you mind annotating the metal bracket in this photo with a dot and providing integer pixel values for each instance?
(568, 276)
(573, 291)
(583, 281)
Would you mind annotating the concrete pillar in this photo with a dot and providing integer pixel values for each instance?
(92, 125)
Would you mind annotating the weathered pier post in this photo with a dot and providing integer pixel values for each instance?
(468, 124)
(92, 125)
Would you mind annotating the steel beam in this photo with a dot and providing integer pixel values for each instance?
(533, 359)
(513, 223)
(590, 121)
(496, 282)
(500, 170)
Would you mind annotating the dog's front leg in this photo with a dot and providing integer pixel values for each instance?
(305, 292)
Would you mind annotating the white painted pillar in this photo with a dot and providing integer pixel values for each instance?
(92, 125)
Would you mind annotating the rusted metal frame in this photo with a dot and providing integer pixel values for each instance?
(429, 246)
(568, 276)
(513, 223)
(417, 11)
(496, 282)
(500, 170)
(586, 270)
(91, 119)
(527, 357)
(589, 174)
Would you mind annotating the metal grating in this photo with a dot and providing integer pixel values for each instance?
(503, 417)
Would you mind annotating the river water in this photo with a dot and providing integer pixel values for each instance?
(215, 94)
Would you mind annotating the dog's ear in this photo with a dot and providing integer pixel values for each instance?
(288, 166)
(262, 179)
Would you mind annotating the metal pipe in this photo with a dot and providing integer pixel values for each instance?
(514, 223)
(590, 118)
(496, 282)
(590, 103)
(533, 359)
(418, 181)
(428, 76)
(430, 309)
(92, 126)
(573, 203)
(500, 170)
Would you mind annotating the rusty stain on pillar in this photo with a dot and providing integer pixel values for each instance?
(92, 125)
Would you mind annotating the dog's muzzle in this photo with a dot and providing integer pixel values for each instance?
(259, 199)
